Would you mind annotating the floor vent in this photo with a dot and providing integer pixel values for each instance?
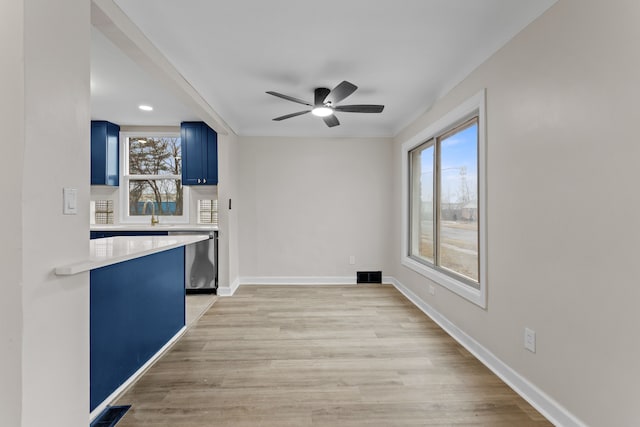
(369, 277)
(110, 416)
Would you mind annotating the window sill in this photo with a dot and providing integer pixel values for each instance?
(166, 223)
(476, 296)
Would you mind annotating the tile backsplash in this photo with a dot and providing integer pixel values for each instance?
(109, 197)
(103, 211)
(208, 211)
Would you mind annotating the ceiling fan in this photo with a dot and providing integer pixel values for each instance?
(324, 104)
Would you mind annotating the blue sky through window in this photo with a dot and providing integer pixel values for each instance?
(459, 167)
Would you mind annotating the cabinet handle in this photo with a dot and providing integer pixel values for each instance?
(198, 180)
(204, 181)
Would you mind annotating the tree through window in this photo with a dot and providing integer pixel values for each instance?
(152, 176)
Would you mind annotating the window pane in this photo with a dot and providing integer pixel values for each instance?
(154, 156)
(422, 202)
(458, 243)
(163, 197)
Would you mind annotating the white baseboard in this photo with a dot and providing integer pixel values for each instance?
(101, 407)
(227, 291)
(291, 280)
(298, 280)
(546, 405)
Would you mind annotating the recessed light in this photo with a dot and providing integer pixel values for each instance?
(145, 107)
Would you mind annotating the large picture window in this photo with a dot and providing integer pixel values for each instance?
(444, 201)
(151, 183)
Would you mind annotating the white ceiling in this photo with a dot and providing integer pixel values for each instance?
(119, 85)
(404, 54)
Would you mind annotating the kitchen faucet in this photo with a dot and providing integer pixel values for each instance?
(154, 220)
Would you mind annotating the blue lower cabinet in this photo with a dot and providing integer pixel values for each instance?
(137, 306)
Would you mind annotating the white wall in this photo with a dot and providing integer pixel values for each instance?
(12, 123)
(563, 151)
(228, 219)
(55, 364)
(306, 205)
(233, 193)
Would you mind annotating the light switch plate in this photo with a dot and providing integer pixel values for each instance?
(69, 201)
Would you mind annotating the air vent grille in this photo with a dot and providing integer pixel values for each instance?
(369, 277)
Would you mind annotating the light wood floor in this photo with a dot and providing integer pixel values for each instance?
(320, 356)
(197, 305)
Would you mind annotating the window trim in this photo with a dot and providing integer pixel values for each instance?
(472, 106)
(125, 218)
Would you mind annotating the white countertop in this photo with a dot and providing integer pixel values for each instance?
(112, 250)
(149, 227)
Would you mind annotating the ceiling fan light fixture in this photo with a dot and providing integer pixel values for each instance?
(322, 111)
(325, 104)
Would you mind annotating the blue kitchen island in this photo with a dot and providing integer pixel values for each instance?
(137, 307)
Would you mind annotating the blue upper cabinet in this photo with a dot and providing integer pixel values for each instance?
(212, 157)
(199, 154)
(104, 153)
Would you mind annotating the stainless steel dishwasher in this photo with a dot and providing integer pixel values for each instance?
(200, 263)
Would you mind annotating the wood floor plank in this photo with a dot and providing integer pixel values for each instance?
(310, 356)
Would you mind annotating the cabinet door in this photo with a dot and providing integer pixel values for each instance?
(211, 160)
(104, 153)
(199, 154)
(193, 152)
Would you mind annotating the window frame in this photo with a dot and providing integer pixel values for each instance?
(125, 177)
(455, 283)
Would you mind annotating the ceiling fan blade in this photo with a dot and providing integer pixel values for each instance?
(341, 91)
(331, 121)
(365, 108)
(289, 98)
(288, 116)
(320, 94)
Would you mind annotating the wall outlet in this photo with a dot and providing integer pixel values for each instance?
(432, 289)
(352, 260)
(530, 340)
